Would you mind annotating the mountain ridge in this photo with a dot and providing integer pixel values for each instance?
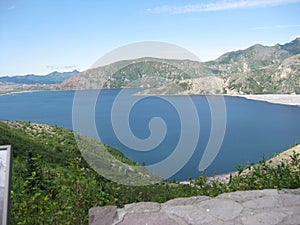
(257, 69)
(51, 78)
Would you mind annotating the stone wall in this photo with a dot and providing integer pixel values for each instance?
(249, 207)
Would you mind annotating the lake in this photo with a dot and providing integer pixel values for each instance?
(253, 129)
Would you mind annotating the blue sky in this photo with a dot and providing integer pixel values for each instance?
(40, 36)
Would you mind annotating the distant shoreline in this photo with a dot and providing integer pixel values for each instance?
(284, 99)
(20, 92)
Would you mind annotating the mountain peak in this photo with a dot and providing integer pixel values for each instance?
(292, 47)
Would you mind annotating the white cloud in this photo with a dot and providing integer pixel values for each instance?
(62, 67)
(219, 5)
(276, 27)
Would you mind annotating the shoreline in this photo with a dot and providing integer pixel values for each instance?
(19, 92)
(283, 99)
(223, 178)
(282, 157)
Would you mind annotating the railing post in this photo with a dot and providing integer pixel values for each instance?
(5, 178)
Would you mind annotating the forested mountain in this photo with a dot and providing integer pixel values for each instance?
(256, 70)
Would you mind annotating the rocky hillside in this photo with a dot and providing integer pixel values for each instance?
(123, 73)
(261, 69)
(256, 70)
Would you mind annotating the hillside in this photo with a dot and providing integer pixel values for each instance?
(51, 78)
(122, 73)
(256, 70)
(33, 82)
(261, 69)
(52, 181)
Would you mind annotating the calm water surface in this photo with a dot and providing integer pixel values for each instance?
(253, 128)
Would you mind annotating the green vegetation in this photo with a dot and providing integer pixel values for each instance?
(145, 73)
(185, 86)
(52, 183)
(261, 176)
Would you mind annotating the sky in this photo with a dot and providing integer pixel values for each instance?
(41, 36)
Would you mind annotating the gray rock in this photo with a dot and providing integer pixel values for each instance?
(262, 202)
(290, 200)
(290, 191)
(244, 196)
(102, 215)
(149, 218)
(142, 207)
(186, 201)
(191, 214)
(264, 218)
(223, 209)
(292, 220)
(238, 208)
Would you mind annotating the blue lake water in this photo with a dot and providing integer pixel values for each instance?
(253, 128)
